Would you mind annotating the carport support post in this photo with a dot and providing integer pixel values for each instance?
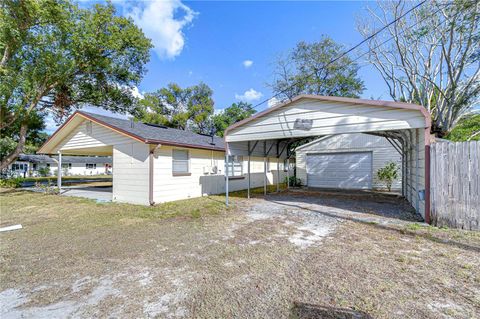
(278, 169)
(248, 169)
(264, 167)
(288, 172)
(59, 172)
(226, 174)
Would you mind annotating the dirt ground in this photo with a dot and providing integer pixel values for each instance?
(295, 255)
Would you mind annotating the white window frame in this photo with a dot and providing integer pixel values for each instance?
(179, 173)
(235, 165)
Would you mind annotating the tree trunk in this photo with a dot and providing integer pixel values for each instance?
(21, 143)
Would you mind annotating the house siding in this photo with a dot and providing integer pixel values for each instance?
(382, 153)
(99, 136)
(130, 173)
(201, 182)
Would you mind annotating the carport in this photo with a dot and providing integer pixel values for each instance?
(405, 126)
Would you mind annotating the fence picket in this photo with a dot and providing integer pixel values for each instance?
(455, 184)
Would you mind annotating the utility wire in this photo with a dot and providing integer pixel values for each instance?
(347, 52)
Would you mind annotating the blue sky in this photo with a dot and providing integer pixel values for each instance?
(211, 42)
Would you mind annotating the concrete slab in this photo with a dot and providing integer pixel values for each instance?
(103, 194)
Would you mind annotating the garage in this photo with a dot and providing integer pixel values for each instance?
(340, 170)
(277, 130)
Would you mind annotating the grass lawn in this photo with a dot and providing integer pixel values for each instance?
(257, 259)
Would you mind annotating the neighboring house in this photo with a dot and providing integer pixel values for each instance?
(346, 161)
(33, 165)
(154, 163)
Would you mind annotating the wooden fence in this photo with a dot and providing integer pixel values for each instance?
(455, 184)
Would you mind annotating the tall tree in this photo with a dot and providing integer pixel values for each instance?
(183, 108)
(308, 69)
(230, 115)
(432, 58)
(56, 56)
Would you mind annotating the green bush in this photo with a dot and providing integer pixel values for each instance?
(388, 174)
(44, 171)
(293, 181)
(11, 182)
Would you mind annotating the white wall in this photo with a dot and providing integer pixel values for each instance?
(382, 153)
(168, 187)
(130, 173)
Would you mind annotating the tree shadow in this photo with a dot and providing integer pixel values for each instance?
(302, 310)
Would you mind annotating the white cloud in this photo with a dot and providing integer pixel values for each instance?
(249, 96)
(247, 63)
(273, 101)
(163, 21)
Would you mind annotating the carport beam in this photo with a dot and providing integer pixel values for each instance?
(59, 172)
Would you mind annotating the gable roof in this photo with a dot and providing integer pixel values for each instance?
(148, 133)
(392, 104)
(36, 158)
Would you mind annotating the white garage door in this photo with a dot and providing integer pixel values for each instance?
(340, 170)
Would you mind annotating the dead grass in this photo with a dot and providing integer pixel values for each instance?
(195, 258)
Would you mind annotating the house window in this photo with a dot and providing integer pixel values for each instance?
(180, 162)
(19, 167)
(90, 166)
(67, 165)
(285, 165)
(34, 166)
(235, 165)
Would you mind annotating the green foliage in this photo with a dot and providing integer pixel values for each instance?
(56, 55)
(388, 174)
(189, 108)
(293, 181)
(230, 115)
(14, 182)
(307, 69)
(44, 171)
(467, 129)
(47, 188)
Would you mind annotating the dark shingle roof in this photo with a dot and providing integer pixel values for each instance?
(33, 158)
(159, 134)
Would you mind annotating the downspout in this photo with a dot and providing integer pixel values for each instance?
(151, 172)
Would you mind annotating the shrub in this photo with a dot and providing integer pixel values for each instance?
(11, 182)
(47, 188)
(388, 174)
(44, 171)
(293, 181)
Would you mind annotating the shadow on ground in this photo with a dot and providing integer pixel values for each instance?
(308, 311)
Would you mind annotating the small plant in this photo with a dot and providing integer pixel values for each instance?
(388, 174)
(13, 182)
(47, 188)
(293, 181)
(44, 171)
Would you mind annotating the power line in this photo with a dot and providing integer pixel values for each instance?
(347, 52)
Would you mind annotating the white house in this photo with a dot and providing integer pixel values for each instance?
(347, 161)
(33, 165)
(154, 163)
